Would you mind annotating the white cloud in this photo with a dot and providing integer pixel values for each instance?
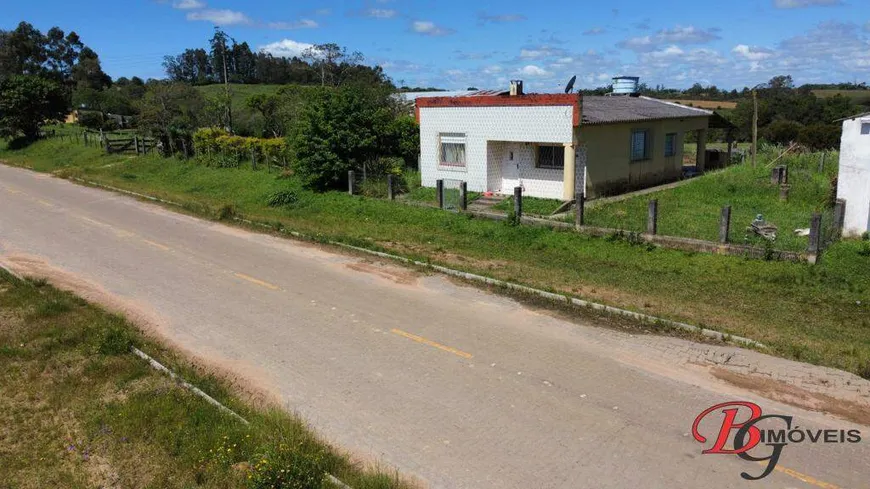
(752, 53)
(787, 4)
(288, 26)
(678, 35)
(428, 28)
(532, 70)
(594, 31)
(188, 4)
(220, 17)
(380, 13)
(286, 48)
(537, 52)
(492, 69)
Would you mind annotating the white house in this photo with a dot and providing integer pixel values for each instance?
(853, 182)
(551, 145)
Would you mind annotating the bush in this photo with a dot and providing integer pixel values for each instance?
(782, 131)
(283, 198)
(217, 147)
(820, 136)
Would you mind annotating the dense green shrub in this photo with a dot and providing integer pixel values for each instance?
(217, 147)
(782, 131)
(283, 198)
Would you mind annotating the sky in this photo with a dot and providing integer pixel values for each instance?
(455, 44)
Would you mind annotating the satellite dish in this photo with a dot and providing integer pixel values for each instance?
(570, 85)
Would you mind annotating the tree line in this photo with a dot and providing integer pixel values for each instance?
(227, 60)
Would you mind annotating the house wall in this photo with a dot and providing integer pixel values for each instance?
(489, 131)
(609, 169)
(853, 183)
(521, 172)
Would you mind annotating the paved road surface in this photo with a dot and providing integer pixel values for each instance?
(461, 388)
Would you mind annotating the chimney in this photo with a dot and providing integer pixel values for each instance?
(516, 88)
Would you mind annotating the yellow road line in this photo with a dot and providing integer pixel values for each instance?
(124, 234)
(157, 245)
(803, 477)
(257, 281)
(420, 339)
(45, 203)
(92, 221)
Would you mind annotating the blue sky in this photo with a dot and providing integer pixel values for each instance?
(455, 44)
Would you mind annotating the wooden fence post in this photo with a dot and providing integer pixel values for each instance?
(822, 162)
(391, 194)
(652, 218)
(839, 217)
(136, 144)
(783, 192)
(350, 182)
(518, 202)
(725, 224)
(580, 208)
(774, 175)
(463, 196)
(439, 192)
(815, 235)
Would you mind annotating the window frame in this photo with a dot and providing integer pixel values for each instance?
(556, 148)
(452, 138)
(672, 151)
(647, 146)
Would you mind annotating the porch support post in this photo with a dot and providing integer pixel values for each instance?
(701, 157)
(569, 174)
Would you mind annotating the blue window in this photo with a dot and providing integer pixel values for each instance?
(671, 144)
(639, 145)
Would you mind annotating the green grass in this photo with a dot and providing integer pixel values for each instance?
(819, 314)
(531, 205)
(79, 410)
(693, 210)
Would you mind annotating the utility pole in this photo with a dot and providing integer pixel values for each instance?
(227, 88)
(754, 127)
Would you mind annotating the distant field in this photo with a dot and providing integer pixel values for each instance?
(857, 96)
(707, 104)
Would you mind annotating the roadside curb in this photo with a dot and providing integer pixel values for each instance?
(554, 297)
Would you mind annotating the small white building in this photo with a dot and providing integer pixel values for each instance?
(853, 182)
(554, 145)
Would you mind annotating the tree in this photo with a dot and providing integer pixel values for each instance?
(22, 51)
(341, 130)
(267, 106)
(332, 62)
(170, 109)
(88, 73)
(27, 102)
(782, 131)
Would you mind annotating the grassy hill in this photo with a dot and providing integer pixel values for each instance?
(858, 96)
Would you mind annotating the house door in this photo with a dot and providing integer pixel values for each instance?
(510, 170)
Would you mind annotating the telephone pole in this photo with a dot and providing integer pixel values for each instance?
(229, 101)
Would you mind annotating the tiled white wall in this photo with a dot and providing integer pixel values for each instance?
(487, 129)
(853, 183)
(521, 172)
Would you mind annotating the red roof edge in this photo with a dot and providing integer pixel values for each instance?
(545, 99)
